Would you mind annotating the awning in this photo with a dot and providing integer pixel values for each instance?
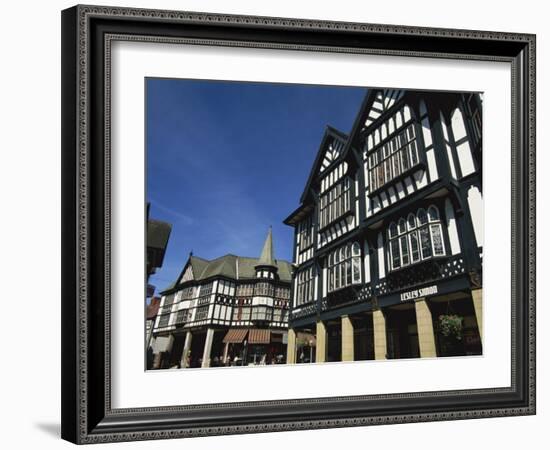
(259, 337)
(235, 336)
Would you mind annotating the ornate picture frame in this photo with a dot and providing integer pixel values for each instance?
(87, 35)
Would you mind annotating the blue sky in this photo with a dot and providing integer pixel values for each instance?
(225, 160)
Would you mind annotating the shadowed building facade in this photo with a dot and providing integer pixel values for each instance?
(388, 238)
(232, 310)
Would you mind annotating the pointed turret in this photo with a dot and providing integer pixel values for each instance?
(267, 267)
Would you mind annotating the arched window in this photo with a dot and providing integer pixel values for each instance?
(402, 226)
(344, 266)
(418, 238)
(392, 230)
(411, 221)
(433, 214)
(422, 217)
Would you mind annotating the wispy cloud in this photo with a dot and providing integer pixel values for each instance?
(183, 218)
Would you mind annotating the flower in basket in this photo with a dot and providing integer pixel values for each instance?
(450, 325)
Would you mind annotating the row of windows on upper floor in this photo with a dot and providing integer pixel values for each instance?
(411, 239)
(225, 287)
(237, 313)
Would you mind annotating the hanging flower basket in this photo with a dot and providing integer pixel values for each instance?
(450, 326)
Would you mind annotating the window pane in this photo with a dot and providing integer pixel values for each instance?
(405, 161)
(356, 270)
(437, 240)
(425, 242)
(396, 259)
(411, 221)
(404, 250)
(393, 230)
(396, 165)
(433, 214)
(415, 251)
(356, 249)
(422, 218)
(414, 153)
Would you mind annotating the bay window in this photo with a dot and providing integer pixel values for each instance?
(417, 238)
(344, 266)
(395, 156)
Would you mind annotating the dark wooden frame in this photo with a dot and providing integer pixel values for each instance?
(87, 32)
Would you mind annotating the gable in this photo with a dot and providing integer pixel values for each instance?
(383, 100)
(332, 153)
(332, 148)
(188, 274)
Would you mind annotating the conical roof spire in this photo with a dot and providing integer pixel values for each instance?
(266, 258)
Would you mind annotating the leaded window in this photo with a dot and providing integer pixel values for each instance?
(201, 313)
(395, 156)
(417, 238)
(182, 316)
(305, 234)
(206, 289)
(344, 266)
(245, 290)
(305, 286)
(282, 292)
(169, 300)
(335, 202)
(473, 105)
(264, 289)
(262, 313)
(187, 293)
(163, 320)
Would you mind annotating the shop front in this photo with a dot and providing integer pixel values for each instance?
(245, 347)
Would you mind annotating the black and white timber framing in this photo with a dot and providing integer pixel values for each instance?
(225, 311)
(389, 231)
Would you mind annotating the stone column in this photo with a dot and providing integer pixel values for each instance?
(291, 347)
(347, 339)
(186, 350)
(207, 348)
(426, 336)
(225, 352)
(380, 340)
(477, 297)
(321, 349)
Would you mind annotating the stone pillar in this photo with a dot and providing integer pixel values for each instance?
(321, 349)
(477, 297)
(186, 350)
(225, 353)
(380, 340)
(347, 339)
(424, 323)
(207, 347)
(291, 347)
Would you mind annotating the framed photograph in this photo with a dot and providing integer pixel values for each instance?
(282, 224)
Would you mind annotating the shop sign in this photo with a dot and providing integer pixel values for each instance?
(418, 293)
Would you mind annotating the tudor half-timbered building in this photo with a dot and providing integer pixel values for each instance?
(389, 233)
(232, 310)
